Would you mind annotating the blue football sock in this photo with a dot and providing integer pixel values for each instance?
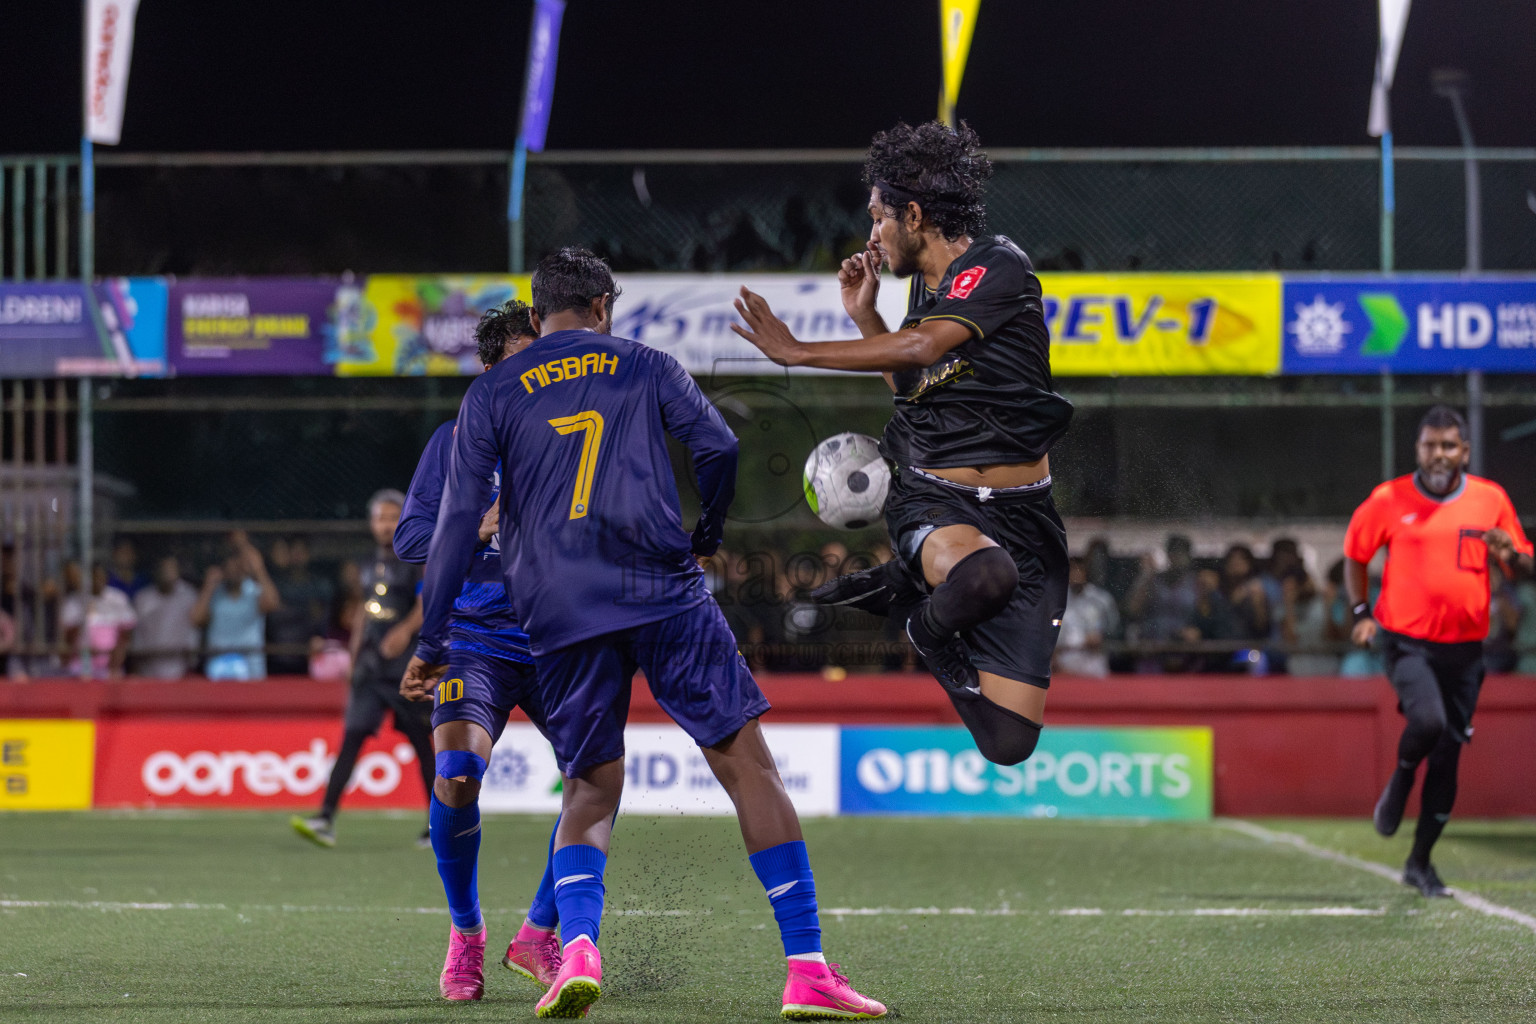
(579, 890)
(542, 913)
(785, 871)
(456, 841)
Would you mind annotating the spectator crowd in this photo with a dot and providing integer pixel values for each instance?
(249, 614)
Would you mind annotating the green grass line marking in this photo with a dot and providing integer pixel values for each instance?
(1467, 899)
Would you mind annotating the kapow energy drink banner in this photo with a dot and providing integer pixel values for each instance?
(412, 325)
(1163, 324)
(1074, 773)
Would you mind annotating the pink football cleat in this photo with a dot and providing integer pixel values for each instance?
(577, 986)
(464, 969)
(534, 954)
(818, 992)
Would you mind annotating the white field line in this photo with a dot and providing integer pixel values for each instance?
(111, 906)
(1466, 899)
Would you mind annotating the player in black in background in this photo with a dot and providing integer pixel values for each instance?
(981, 570)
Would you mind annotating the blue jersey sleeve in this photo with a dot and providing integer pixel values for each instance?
(466, 495)
(419, 517)
(689, 417)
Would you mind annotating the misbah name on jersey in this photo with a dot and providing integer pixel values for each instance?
(569, 368)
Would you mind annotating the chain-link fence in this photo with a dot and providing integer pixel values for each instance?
(1176, 210)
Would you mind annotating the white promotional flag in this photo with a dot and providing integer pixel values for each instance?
(108, 48)
(1394, 19)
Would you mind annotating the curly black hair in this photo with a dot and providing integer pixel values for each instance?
(499, 325)
(940, 168)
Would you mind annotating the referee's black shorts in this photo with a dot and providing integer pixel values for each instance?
(376, 692)
(1423, 672)
(1019, 641)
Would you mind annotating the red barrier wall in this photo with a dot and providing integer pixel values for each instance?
(1283, 746)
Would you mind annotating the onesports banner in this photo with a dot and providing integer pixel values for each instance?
(1416, 324)
(1074, 773)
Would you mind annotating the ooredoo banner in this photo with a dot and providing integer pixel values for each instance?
(254, 762)
(252, 327)
(1074, 773)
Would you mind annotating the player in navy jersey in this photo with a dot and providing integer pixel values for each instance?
(490, 671)
(980, 576)
(606, 580)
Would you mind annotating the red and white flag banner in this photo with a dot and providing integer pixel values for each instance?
(108, 50)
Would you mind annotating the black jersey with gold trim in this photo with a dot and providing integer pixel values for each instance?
(990, 400)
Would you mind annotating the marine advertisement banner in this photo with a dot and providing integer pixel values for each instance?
(1161, 773)
(665, 772)
(252, 327)
(1106, 325)
(61, 329)
(1410, 325)
(413, 325)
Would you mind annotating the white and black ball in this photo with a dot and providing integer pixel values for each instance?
(846, 481)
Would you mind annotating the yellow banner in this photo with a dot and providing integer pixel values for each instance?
(46, 764)
(1105, 325)
(957, 24)
(413, 325)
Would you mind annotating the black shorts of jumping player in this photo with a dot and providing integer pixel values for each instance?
(1019, 641)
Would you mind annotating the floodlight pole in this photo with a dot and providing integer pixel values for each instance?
(1388, 211)
(1452, 84)
(85, 453)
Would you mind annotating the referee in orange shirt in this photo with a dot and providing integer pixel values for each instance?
(1440, 527)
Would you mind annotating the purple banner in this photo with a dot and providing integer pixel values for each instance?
(268, 327)
(61, 329)
(539, 86)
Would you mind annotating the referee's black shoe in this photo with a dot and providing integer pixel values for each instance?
(876, 590)
(1424, 878)
(1389, 809)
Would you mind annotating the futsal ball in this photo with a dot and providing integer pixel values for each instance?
(846, 481)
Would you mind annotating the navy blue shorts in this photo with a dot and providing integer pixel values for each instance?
(484, 689)
(695, 672)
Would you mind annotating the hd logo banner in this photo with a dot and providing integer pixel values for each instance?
(1410, 325)
(1074, 773)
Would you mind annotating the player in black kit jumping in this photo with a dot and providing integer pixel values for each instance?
(980, 574)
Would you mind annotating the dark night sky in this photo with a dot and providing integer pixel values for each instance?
(373, 74)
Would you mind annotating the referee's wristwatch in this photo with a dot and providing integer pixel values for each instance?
(1362, 612)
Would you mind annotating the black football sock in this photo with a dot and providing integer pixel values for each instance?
(1002, 736)
(1436, 798)
(978, 587)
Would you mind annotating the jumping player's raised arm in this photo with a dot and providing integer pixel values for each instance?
(419, 517)
(910, 348)
(466, 493)
(689, 417)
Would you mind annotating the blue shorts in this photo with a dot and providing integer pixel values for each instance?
(484, 689)
(695, 673)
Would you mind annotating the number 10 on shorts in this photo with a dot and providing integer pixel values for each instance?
(450, 690)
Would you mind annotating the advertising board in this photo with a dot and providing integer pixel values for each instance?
(1074, 773)
(1410, 325)
(250, 762)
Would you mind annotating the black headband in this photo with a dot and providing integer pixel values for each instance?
(906, 195)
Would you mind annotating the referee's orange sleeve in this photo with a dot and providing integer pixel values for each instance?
(1368, 526)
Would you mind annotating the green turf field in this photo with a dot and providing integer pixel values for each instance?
(950, 920)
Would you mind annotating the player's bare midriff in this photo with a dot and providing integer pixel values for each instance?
(1000, 474)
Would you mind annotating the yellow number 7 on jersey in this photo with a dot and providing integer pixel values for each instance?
(591, 424)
